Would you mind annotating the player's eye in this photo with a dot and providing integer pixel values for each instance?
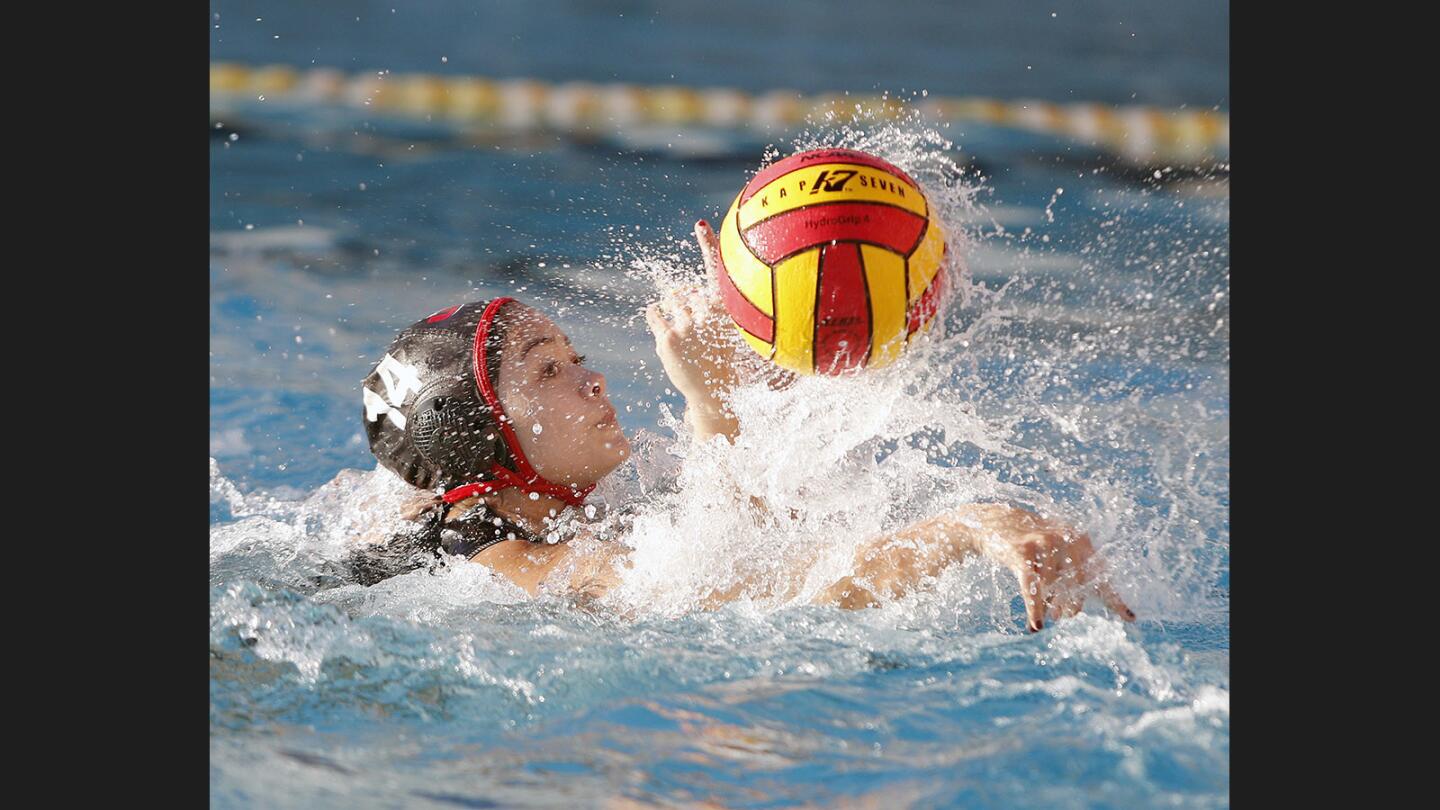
(550, 369)
(579, 359)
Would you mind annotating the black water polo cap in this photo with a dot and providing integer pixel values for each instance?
(424, 414)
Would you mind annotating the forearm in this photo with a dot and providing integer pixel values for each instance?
(892, 565)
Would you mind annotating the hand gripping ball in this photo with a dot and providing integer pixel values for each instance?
(831, 260)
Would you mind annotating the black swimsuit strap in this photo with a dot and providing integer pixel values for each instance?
(409, 549)
(471, 535)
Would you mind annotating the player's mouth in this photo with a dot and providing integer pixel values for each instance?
(607, 418)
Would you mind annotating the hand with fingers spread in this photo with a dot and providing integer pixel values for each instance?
(1056, 565)
(700, 352)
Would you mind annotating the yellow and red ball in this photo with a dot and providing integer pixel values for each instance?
(831, 261)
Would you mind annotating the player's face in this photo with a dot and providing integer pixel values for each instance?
(562, 414)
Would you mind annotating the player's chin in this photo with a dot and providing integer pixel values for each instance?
(610, 443)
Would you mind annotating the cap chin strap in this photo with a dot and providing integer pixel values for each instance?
(524, 477)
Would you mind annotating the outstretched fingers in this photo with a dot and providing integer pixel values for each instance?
(1092, 572)
(1113, 601)
(1032, 591)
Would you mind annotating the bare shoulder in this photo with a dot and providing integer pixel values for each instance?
(580, 566)
(523, 562)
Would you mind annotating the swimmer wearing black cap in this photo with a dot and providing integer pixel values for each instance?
(489, 407)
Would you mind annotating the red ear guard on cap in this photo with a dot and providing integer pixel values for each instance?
(524, 478)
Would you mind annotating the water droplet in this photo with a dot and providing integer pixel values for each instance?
(537, 428)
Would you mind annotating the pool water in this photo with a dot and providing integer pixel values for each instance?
(1082, 371)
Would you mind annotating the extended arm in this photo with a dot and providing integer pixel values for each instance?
(1054, 564)
(700, 350)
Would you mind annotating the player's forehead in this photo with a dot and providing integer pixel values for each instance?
(527, 328)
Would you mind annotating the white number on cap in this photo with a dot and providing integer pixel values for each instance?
(399, 380)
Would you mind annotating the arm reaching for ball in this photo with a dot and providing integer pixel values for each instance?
(700, 352)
